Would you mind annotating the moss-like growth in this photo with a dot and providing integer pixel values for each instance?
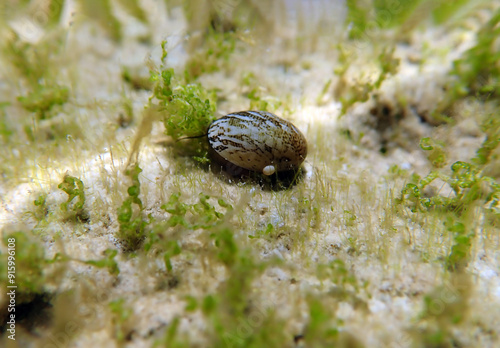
(37, 68)
(265, 234)
(473, 191)
(5, 129)
(323, 327)
(467, 183)
(183, 216)
(121, 319)
(229, 310)
(108, 262)
(458, 258)
(132, 224)
(477, 70)
(44, 99)
(172, 337)
(137, 81)
(40, 212)
(36, 65)
(259, 96)
(213, 56)
(349, 94)
(31, 62)
(486, 153)
(445, 309)
(74, 188)
(337, 272)
(436, 155)
(358, 15)
(467, 180)
(261, 101)
(342, 213)
(391, 14)
(54, 12)
(365, 17)
(202, 215)
(188, 109)
(101, 12)
(28, 264)
(444, 10)
(134, 9)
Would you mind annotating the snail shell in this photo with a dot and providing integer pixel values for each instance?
(258, 141)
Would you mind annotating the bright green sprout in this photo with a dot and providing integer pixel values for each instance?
(74, 189)
(132, 224)
(188, 108)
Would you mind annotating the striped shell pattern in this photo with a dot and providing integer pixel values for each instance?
(258, 141)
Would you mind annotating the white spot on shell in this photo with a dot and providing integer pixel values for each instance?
(268, 170)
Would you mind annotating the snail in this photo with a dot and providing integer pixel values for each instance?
(257, 141)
